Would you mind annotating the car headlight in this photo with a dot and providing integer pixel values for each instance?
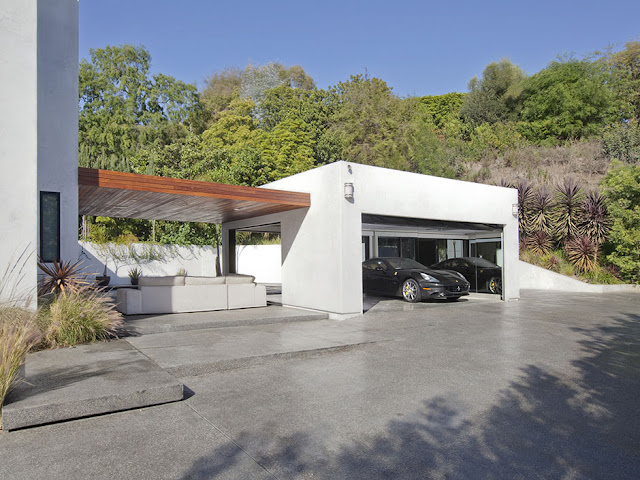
(429, 278)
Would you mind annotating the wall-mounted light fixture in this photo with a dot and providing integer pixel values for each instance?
(514, 209)
(348, 190)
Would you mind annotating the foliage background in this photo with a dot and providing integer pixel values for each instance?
(260, 123)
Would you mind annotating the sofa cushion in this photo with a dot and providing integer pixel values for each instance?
(236, 278)
(169, 281)
(204, 280)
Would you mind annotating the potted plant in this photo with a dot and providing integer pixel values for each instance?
(104, 279)
(134, 275)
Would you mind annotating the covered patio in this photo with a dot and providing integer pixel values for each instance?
(129, 195)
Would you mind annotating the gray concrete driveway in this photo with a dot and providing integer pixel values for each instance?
(546, 387)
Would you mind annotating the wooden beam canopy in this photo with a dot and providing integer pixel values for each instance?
(129, 195)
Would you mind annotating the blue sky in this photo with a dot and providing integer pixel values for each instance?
(417, 47)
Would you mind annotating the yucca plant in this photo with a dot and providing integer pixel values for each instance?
(552, 263)
(582, 252)
(596, 222)
(539, 242)
(525, 194)
(541, 213)
(522, 245)
(61, 277)
(568, 210)
(79, 316)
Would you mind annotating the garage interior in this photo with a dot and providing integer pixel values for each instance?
(432, 241)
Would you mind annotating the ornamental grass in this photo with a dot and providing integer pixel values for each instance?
(18, 334)
(81, 316)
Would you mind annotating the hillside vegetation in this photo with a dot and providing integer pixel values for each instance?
(256, 124)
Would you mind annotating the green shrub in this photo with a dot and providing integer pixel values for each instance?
(622, 187)
(79, 317)
(622, 141)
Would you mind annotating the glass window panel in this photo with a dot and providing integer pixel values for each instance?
(388, 247)
(409, 248)
(49, 226)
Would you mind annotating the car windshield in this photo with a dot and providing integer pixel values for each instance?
(480, 262)
(400, 263)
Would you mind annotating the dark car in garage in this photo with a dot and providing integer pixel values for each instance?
(482, 274)
(411, 280)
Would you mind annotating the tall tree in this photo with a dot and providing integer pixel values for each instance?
(443, 108)
(123, 106)
(626, 66)
(367, 123)
(496, 96)
(569, 99)
(252, 83)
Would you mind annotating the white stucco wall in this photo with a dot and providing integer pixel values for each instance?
(18, 139)
(321, 245)
(58, 113)
(38, 125)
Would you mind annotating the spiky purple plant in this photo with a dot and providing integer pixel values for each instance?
(539, 242)
(596, 222)
(541, 215)
(525, 193)
(568, 211)
(582, 252)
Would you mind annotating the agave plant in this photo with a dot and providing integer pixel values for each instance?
(61, 277)
(541, 214)
(539, 242)
(568, 211)
(596, 222)
(582, 252)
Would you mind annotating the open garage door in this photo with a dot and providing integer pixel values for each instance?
(472, 249)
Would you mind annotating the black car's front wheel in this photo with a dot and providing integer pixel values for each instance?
(411, 291)
(494, 285)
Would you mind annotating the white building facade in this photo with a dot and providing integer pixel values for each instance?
(322, 246)
(39, 135)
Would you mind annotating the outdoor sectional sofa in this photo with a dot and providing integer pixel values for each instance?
(174, 294)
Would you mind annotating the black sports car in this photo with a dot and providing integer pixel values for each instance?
(481, 273)
(411, 280)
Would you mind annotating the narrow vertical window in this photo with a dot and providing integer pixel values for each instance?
(49, 226)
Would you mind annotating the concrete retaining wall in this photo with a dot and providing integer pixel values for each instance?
(536, 278)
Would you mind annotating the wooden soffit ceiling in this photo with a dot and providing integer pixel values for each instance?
(129, 195)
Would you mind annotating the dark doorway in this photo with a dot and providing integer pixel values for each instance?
(427, 251)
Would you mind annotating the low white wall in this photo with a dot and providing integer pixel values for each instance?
(537, 278)
(261, 261)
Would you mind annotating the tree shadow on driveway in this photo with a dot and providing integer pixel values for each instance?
(543, 426)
